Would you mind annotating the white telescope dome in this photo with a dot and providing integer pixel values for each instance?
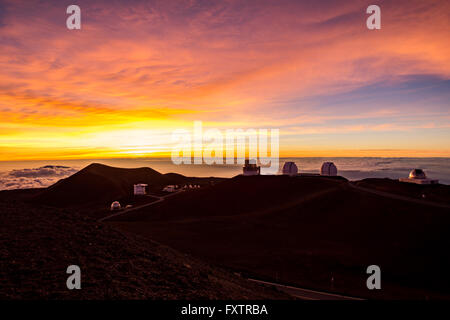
(328, 169)
(290, 169)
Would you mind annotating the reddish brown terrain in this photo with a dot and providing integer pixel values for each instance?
(102, 184)
(306, 231)
(313, 232)
(37, 244)
(432, 192)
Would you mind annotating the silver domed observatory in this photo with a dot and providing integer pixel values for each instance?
(418, 176)
(328, 169)
(290, 169)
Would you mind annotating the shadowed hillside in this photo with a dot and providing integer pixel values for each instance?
(256, 195)
(306, 231)
(38, 244)
(310, 231)
(427, 192)
(98, 183)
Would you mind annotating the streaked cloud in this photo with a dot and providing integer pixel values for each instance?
(308, 68)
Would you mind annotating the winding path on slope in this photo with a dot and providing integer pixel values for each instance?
(125, 211)
(305, 294)
(399, 197)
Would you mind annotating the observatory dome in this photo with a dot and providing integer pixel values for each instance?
(328, 169)
(115, 206)
(417, 174)
(290, 168)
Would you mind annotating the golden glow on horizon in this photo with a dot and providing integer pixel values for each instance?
(105, 153)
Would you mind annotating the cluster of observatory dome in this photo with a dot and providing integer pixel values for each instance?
(251, 168)
(289, 168)
(416, 176)
(327, 169)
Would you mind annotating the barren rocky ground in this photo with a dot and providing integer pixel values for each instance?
(37, 244)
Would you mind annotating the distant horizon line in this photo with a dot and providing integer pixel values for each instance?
(169, 158)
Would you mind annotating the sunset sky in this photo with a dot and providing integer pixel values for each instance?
(138, 70)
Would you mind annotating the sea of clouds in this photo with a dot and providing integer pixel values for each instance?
(34, 178)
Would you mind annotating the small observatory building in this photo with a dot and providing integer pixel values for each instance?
(250, 168)
(328, 169)
(140, 189)
(170, 188)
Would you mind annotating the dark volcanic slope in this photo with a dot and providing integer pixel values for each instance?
(37, 245)
(242, 195)
(429, 192)
(98, 183)
(306, 230)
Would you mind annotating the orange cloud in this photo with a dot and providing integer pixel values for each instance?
(306, 68)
